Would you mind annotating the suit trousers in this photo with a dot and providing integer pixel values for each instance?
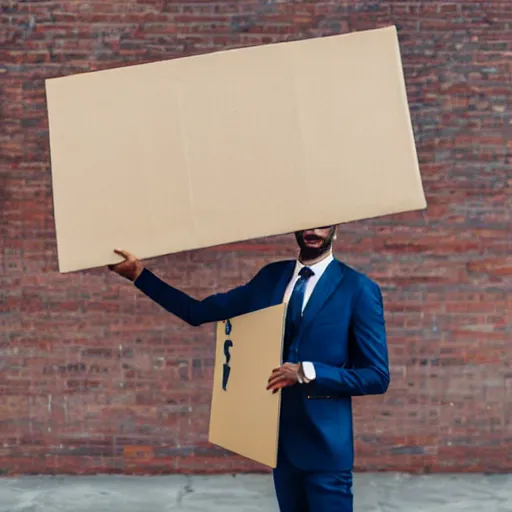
(312, 491)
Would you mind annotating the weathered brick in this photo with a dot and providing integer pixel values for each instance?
(96, 378)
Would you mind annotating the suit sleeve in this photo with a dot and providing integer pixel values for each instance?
(369, 372)
(195, 312)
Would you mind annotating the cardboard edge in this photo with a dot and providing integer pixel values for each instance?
(280, 394)
(410, 126)
(231, 245)
(217, 330)
(127, 67)
(49, 86)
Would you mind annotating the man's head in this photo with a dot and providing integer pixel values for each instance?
(315, 243)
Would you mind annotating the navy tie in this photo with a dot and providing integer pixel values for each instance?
(294, 311)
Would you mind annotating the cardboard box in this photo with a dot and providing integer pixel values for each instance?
(229, 146)
(244, 415)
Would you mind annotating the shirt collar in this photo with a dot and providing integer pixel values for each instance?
(318, 268)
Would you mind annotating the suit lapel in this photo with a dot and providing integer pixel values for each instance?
(282, 283)
(325, 287)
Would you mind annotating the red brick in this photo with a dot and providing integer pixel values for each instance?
(92, 366)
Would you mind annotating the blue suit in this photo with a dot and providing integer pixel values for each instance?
(342, 332)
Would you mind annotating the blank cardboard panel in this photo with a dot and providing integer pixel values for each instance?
(244, 416)
(229, 146)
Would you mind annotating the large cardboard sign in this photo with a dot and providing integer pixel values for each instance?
(239, 144)
(244, 415)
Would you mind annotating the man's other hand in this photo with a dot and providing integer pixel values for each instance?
(286, 375)
(130, 268)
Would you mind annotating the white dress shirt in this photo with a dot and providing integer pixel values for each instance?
(318, 269)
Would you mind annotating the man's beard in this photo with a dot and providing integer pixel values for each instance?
(311, 253)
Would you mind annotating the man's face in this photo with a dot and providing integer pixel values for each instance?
(315, 242)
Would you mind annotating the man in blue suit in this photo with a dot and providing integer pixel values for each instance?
(334, 348)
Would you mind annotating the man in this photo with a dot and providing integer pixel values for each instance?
(334, 348)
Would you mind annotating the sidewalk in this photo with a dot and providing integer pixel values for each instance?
(383, 492)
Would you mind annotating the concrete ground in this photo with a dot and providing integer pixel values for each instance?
(248, 493)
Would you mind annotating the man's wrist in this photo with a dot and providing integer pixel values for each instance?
(138, 272)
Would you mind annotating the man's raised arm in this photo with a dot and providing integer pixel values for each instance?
(195, 312)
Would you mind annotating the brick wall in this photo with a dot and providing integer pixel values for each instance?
(94, 377)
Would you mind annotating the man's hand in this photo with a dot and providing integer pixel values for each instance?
(130, 268)
(285, 375)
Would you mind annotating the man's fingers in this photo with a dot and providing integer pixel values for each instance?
(120, 265)
(279, 370)
(125, 254)
(282, 376)
(280, 385)
(273, 380)
(284, 366)
(276, 373)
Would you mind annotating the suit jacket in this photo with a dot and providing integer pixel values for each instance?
(342, 332)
